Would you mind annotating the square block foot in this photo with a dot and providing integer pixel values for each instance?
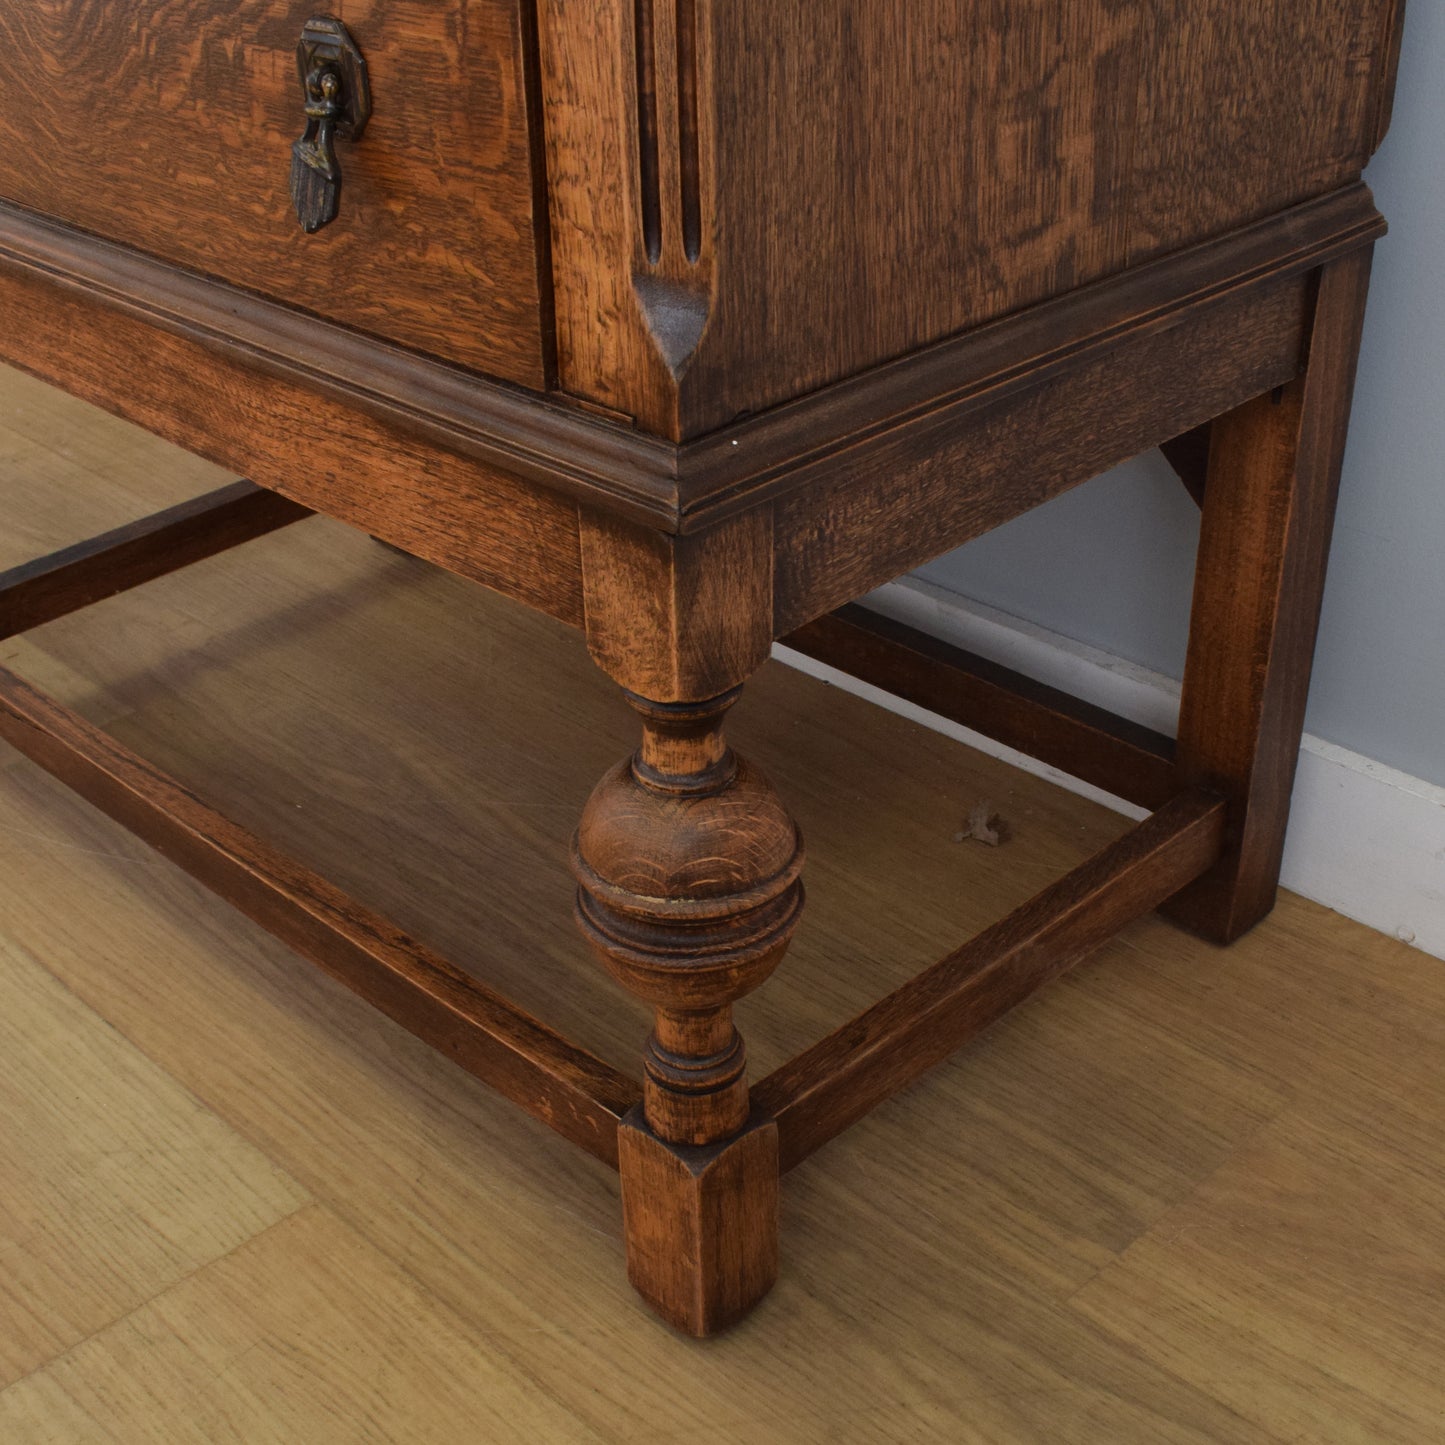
(701, 1223)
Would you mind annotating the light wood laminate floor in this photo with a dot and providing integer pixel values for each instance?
(1184, 1195)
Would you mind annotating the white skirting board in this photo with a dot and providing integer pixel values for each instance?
(1364, 839)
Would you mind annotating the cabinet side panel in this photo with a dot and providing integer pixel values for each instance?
(890, 181)
(1251, 105)
(751, 201)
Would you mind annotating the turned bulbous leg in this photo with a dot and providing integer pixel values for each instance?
(689, 892)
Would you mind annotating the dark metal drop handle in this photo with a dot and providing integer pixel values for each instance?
(338, 102)
(315, 170)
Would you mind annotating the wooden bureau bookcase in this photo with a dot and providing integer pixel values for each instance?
(689, 322)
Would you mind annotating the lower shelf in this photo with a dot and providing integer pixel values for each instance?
(812, 1098)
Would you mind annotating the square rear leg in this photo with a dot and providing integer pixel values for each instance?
(1269, 505)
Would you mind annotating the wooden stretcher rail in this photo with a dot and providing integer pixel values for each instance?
(813, 1097)
(1083, 740)
(576, 1094)
(833, 1084)
(104, 566)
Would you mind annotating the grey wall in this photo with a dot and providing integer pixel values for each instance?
(1112, 563)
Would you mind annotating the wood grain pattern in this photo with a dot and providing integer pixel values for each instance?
(688, 891)
(1274, 475)
(701, 1224)
(560, 447)
(831, 1085)
(617, 469)
(1085, 741)
(87, 572)
(1250, 1134)
(168, 125)
(866, 189)
(843, 110)
(1248, 108)
(567, 1088)
(284, 1340)
(468, 517)
(678, 619)
(118, 1184)
(868, 421)
(1301, 1283)
(869, 516)
(784, 218)
(1388, 73)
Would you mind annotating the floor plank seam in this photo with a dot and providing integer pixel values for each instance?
(308, 1203)
(1244, 1142)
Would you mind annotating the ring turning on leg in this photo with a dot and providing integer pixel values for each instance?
(689, 891)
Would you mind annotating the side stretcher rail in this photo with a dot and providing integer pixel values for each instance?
(813, 1097)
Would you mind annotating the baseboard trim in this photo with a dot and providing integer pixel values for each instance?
(1365, 839)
